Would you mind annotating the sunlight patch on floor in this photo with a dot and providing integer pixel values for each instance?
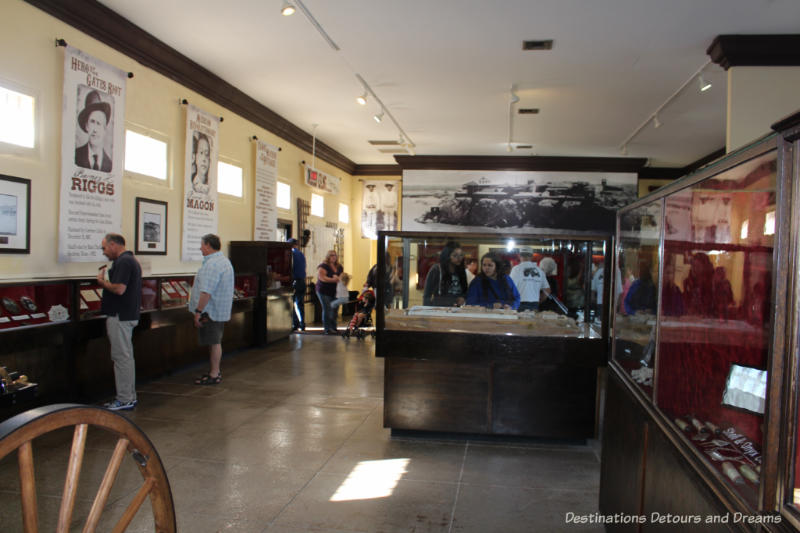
(371, 479)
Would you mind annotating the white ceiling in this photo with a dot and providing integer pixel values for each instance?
(444, 68)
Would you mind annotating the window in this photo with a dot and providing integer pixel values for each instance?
(145, 155)
(344, 213)
(317, 205)
(769, 223)
(284, 196)
(229, 179)
(17, 119)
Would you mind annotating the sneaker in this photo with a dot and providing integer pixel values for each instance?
(117, 405)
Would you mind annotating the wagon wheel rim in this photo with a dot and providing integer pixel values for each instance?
(17, 434)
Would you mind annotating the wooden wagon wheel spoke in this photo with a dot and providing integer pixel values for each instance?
(73, 474)
(18, 433)
(28, 487)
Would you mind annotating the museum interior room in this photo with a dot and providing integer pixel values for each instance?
(491, 266)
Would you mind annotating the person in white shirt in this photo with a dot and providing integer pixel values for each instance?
(530, 280)
(372, 202)
(389, 206)
(342, 294)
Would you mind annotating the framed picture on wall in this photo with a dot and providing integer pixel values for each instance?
(15, 215)
(151, 227)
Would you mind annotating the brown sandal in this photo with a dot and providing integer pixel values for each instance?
(206, 379)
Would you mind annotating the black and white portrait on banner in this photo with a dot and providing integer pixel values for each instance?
(380, 203)
(514, 201)
(200, 209)
(92, 155)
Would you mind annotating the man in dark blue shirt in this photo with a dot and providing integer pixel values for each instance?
(122, 296)
(299, 286)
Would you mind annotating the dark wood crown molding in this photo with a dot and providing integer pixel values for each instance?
(755, 51)
(378, 170)
(543, 163)
(673, 173)
(105, 25)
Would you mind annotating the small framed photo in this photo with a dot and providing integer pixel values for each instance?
(15, 215)
(151, 227)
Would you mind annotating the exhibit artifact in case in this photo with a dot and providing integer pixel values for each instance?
(34, 303)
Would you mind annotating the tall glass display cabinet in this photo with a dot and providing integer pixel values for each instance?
(701, 414)
(464, 356)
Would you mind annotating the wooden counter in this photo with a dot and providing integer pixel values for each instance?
(469, 380)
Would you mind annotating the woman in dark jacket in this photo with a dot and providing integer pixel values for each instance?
(492, 288)
(446, 283)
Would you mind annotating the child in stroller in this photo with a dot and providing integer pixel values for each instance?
(362, 317)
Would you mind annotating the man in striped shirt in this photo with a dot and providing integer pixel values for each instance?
(211, 302)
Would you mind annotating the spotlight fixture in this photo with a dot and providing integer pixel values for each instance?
(287, 8)
(624, 149)
(656, 122)
(378, 117)
(362, 99)
(704, 85)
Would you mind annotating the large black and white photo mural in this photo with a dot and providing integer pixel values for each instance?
(514, 201)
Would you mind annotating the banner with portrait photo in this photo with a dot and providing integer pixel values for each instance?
(92, 156)
(265, 222)
(200, 209)
(379, 207)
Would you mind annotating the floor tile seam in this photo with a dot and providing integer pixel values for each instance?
(546, 486)
(402, 479)
(186, 459)
(458, 488)
(533, 446)
(316, 474)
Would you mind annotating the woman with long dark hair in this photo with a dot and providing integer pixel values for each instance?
(446, 283)
(328, 273)
(493, 288)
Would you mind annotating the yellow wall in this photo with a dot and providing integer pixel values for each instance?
(365, 251)
(757, 98)
(30, 63)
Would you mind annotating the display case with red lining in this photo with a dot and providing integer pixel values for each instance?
(34, 303)
(175, 291)
(715, 426)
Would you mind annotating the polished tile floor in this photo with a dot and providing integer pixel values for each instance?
(292, 442)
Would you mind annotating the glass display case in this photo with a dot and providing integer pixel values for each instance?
(555, 289)
(149, 295)
(709, 352)
(175, 291)
(34, 303)
(245, 286)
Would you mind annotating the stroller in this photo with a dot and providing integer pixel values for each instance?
(362, 318)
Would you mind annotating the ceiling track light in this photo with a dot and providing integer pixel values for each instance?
(623, 146)
(287, 8)
(408, 142)
(362, 99)
(704, 85)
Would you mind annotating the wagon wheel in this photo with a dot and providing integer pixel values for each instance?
(17, 433)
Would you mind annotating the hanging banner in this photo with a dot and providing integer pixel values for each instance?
(323, 182)
(265, 222)
(200, 209)
(92, 156)
(379, 207)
